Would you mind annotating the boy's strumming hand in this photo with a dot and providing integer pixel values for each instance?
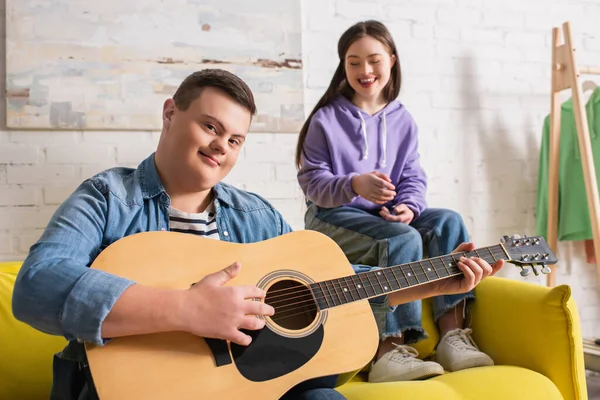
(216, 311)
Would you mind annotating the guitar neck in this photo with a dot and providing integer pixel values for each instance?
(367, 285)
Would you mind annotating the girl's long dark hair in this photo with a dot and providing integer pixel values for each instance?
(339, 83)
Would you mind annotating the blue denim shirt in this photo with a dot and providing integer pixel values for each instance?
(56, 291)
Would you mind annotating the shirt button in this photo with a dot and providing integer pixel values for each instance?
(162, 229)
(225, 233)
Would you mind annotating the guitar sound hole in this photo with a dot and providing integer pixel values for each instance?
(294, 304)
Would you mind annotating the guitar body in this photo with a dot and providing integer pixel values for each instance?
(299, 343)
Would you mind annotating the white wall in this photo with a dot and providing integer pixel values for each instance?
(476, 77)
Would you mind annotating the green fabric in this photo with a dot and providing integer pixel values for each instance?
(573, 211)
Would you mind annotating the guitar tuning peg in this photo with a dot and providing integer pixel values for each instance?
(545, 269)
(535, 271)
(504, 239)
(524, 272)
(515, 236)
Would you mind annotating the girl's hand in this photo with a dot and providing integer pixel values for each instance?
(401, 214)
(375, 187)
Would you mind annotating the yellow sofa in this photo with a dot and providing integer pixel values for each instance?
(532, 333)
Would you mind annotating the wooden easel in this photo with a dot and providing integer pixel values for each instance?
(565, 75)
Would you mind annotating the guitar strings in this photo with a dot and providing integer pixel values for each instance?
(343, 291)
(342, 297)
(336, 288)
(309, 304)
(310, 307)
(309, 299)
(495, 257)
(400, 278)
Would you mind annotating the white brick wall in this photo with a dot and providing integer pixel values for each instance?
(476, 78)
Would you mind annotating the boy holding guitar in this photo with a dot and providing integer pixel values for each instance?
(178, 188)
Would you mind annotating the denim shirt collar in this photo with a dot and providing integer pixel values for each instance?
(150, 182)
(152, 186)
(221, 195)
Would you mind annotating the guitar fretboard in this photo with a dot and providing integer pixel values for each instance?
(366, 285)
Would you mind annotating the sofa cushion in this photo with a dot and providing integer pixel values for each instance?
(534, 327)
(26, 362)
(489, 383)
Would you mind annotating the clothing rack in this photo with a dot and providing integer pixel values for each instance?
(565, 75)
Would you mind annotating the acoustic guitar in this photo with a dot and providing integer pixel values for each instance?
(323, 324)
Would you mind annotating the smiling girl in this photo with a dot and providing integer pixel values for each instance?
(359, 169)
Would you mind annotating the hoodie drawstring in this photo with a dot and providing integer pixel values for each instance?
(383, 142)
(382, 161)
(364, 133)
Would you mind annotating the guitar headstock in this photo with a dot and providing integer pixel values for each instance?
(529, 252)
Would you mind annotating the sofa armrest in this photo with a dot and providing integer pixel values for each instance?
(534, 327)
(26, 354)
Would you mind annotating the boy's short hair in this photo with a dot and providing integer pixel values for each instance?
(192, 86)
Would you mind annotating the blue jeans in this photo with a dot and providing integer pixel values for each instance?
(315, 394)
(370, 240)
(315, 389)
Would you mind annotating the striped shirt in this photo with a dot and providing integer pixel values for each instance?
(201, 224)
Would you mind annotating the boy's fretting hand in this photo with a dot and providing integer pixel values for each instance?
(474, 269)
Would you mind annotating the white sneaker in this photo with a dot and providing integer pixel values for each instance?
(402, 364)
(457, 351)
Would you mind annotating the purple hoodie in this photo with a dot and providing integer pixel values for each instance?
(343, 141)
